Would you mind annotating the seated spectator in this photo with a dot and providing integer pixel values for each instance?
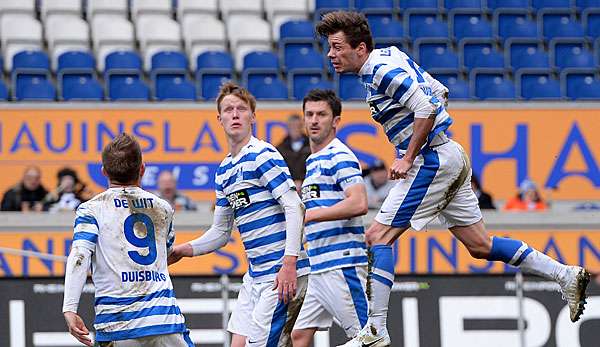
(377, 184)
(167, 189)
(485, 200)
(69, 192)
(528, 199)
(295, 149)
(26, 195)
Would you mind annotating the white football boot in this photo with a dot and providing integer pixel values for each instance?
(573, 290)
(368, 337)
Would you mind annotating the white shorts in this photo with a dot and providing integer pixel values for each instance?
(339, 295)
(170, 340)
(438, 185)
(261, 317)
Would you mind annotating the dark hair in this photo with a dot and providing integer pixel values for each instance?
(122, 159)
(327, 95)
(230, 88)
(354, 25)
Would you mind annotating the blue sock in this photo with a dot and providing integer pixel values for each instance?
(509, 251)
(381, 278)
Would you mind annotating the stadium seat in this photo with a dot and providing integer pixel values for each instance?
(84, 88)
(120, 60)
(128, 89)
(31, 60)
(507, 4)
(560, 24)
(202, 33)
(350, 87)
(591, 22)
(582, 5)
(323, 6)
(469, 25)
(174, 87)
(531, 58)
(76, 60)
(155, 34)
(213, 69)
(411, 4)
(269, 88)
(50, 7)
(247, 33)
(580, 84)
(209, 8)
(247, 7)
(111, 33)
(169, 60)
(462, 4)
(542, 4)
(302, 58)
(436, 54)
(281, 11)
(118, 8)
(66, 33)
(426, 25)
(514, 23)
(17, 7)
(35, 89)
(387, 32)
(537, 84)
(301, 83)
(571, 53)
(480, 54)
(458, 89)
(19, 32)
(3, 91)
(261, 60)
(141, 8)
(376, 9)
(492, 84)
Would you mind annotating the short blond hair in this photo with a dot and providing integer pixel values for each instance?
(231, 88)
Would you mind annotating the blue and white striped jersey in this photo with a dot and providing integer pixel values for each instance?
(248, 186)
(340, 243)
(130, 232)
(391, 77)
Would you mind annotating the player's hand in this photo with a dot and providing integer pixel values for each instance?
(400, 168)
(180, 251)
(77, 328)
(286, 280)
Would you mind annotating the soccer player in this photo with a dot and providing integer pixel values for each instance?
(433, 171)
(335, 197)
(125, 235)
(254, 188)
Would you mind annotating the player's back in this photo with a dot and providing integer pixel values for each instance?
(132, 232)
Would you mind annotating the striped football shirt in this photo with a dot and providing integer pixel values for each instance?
(130, 233)
(248, 185)
(340, 243)
(391, 77)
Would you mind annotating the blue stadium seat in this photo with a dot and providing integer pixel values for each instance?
(35, 89)
(481, 54)
(470, 25)
(31, 60)
(541, 4)
(302, 83)
(370, 6)
(492, 84)
(350, 87)
(324, 6)
(261, 60)
(436, 54)
(297, 30)
(3, 91)
(507, 4)
(443, 75)
(387, 32)
(515, 24)
(560, 25)
(426, 25)
(514, 47)
(585, 4)
(130, 88)
(571, 53)
(174, 87)
(212, 69)
(76, 60)
(532, 57)
(538, 84)
(119, 60)
(458, 89)
(411, 4)
(269, 88)
(81, 87)
(458, 4)
(169, 60)
(580, 84)
(591, 22)
(302, 58)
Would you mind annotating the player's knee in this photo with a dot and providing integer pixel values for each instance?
(300, 338)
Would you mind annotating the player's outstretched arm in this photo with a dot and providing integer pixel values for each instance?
(78, 264)
(354, 204)
(214, 238)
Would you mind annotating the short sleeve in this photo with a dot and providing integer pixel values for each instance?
(85, 228)
(273, 173)
(347, 171)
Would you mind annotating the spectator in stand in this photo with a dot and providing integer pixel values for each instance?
(378, 184)
(295, 149)
(528, 198)
(485, 199)
(69, 192)
(26, 195)
(167, 189)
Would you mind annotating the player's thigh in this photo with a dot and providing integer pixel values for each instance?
(242, 312)
(313, 314)
(347, 299)
(169, 340)
(273, 320)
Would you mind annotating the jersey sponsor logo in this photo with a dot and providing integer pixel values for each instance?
(311, 191)
(142, 276)
(374, 109)
(239, 199)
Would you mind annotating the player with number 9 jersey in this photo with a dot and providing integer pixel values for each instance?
(126, 233)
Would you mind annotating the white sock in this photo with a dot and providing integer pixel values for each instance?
(539, 264)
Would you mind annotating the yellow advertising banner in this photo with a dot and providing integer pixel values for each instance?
(432, 252)
(557, 148)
